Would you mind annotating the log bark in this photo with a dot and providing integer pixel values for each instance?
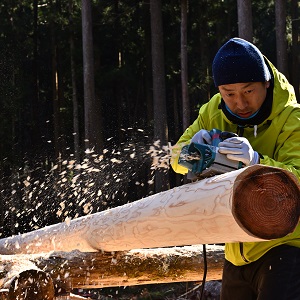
(88, 270)
(251, 204)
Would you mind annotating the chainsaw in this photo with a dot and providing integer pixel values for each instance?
(204, 160)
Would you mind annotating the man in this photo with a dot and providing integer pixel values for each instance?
(257, 102)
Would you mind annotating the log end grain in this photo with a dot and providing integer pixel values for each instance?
(266, 202)
(32, 284)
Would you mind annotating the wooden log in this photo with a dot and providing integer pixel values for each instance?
(250, 204)
(31, 284)
(22, 279)
(88, 270)
(266, 203)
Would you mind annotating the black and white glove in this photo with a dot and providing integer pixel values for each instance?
(239, 148)
(201, 137)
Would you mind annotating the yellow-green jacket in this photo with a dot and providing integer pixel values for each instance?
(277, 139)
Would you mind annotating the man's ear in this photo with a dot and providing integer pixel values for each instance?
(267, 84)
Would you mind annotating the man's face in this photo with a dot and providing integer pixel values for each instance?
(244, 99)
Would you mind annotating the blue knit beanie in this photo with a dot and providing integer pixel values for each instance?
(239, 61)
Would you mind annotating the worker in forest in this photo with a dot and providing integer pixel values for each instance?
(256, 102)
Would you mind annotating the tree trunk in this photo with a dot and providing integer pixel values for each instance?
(184, 66)
(117, 54)
(55, 94)
(245, 26)
(74, 87)
(159, 88)
(35, 129)
(92, 112)
(295, 76)
(251, 204)
(281, 42)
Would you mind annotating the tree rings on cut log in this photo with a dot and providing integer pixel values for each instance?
(32, 285)
(266, 202)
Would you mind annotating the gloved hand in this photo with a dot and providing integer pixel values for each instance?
(201, 137)
(239, 148)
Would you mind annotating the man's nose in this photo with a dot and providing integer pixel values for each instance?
(241, 102)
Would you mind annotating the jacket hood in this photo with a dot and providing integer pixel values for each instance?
(283, 92)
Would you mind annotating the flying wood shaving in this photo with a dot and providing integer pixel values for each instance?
(114, 160)
(161, 155)
(68, 221)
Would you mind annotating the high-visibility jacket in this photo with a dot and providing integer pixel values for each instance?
(277, 139)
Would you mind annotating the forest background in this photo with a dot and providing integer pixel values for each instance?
(93, 93)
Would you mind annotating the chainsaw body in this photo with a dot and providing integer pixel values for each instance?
(203, 160)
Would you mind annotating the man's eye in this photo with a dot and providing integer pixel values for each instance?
(229, 95)
(248, 91)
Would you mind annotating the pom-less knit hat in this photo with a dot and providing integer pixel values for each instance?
(239, 61)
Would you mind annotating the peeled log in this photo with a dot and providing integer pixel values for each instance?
(250, 204)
